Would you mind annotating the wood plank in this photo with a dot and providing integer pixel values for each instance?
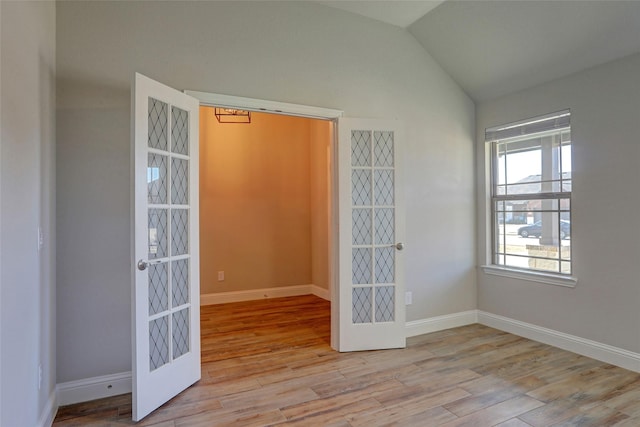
(626, 400)
(551, 413)
(411, 408)
(332, 415)
(595, 417)
(237, 418)
(402, 416)
(498, 413)
(334, 402)
(513, 422)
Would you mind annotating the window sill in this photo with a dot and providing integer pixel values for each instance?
(532, 276)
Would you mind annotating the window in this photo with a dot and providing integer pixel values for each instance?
(531, 194)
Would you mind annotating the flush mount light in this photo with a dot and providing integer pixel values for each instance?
(232, 115)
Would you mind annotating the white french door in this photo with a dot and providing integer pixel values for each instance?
(371, 224)
(166, 294)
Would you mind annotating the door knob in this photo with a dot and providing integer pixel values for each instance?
(143, 264)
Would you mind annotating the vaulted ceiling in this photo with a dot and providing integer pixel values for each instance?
(492, 48)
(401, 13)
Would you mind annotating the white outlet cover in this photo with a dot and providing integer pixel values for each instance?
(408, 298)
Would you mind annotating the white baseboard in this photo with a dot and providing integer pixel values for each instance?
(256, 294)
(321, 292)
(603, 352)
(440, 323)
(94, 388)
(49, 411)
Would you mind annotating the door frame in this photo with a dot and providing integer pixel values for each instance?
(210, 99)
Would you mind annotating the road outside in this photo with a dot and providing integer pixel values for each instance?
(514, 239)
(517, 245)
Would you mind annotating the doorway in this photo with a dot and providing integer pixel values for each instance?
(364, 269)
(366, 273)
(265, 207)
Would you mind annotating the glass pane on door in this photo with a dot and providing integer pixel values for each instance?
(168, 227)
(373, 226)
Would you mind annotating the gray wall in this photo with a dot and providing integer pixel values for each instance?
(296, 52)
(605, 237)
(27, 189)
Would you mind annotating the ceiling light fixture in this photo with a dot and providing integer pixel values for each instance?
(232, 115)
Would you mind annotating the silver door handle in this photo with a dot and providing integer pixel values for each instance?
(399, 246)
(143, 264)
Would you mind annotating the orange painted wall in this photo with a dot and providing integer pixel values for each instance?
(319, 166)
(256, 202)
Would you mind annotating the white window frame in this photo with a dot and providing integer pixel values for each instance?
(554, 122)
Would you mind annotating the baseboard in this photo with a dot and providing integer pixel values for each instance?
(49, 411)
(440, 323)
(94, 388)
(603, 352)
(256, 294)
(321, 292)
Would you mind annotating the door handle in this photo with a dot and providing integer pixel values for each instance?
(143, 264)
(399, 246)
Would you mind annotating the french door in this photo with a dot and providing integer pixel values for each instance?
(166, 292)
(371, 224)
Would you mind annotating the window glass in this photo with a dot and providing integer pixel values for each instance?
(531, 193)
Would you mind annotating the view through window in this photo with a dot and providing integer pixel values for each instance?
(531, 193)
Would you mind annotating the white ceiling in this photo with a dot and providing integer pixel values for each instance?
(401, 13)
(492, 48)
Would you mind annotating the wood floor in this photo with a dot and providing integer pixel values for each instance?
(269, 363)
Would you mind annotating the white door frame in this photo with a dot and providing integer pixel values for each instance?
(298, 110)
(264, 106)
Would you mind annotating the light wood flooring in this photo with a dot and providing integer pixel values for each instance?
(269, 362)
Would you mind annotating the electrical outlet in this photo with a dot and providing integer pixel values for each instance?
(220, 276)
(408, 298)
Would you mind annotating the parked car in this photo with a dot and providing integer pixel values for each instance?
(535, 229)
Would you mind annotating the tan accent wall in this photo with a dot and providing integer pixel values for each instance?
(320, 139)
(256, 202)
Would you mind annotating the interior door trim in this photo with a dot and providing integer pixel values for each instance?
(275, 107)
(261, 105)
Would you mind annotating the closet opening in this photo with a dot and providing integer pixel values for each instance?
(265, 207)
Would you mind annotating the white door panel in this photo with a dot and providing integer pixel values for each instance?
(371, 218)
(166, 294)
